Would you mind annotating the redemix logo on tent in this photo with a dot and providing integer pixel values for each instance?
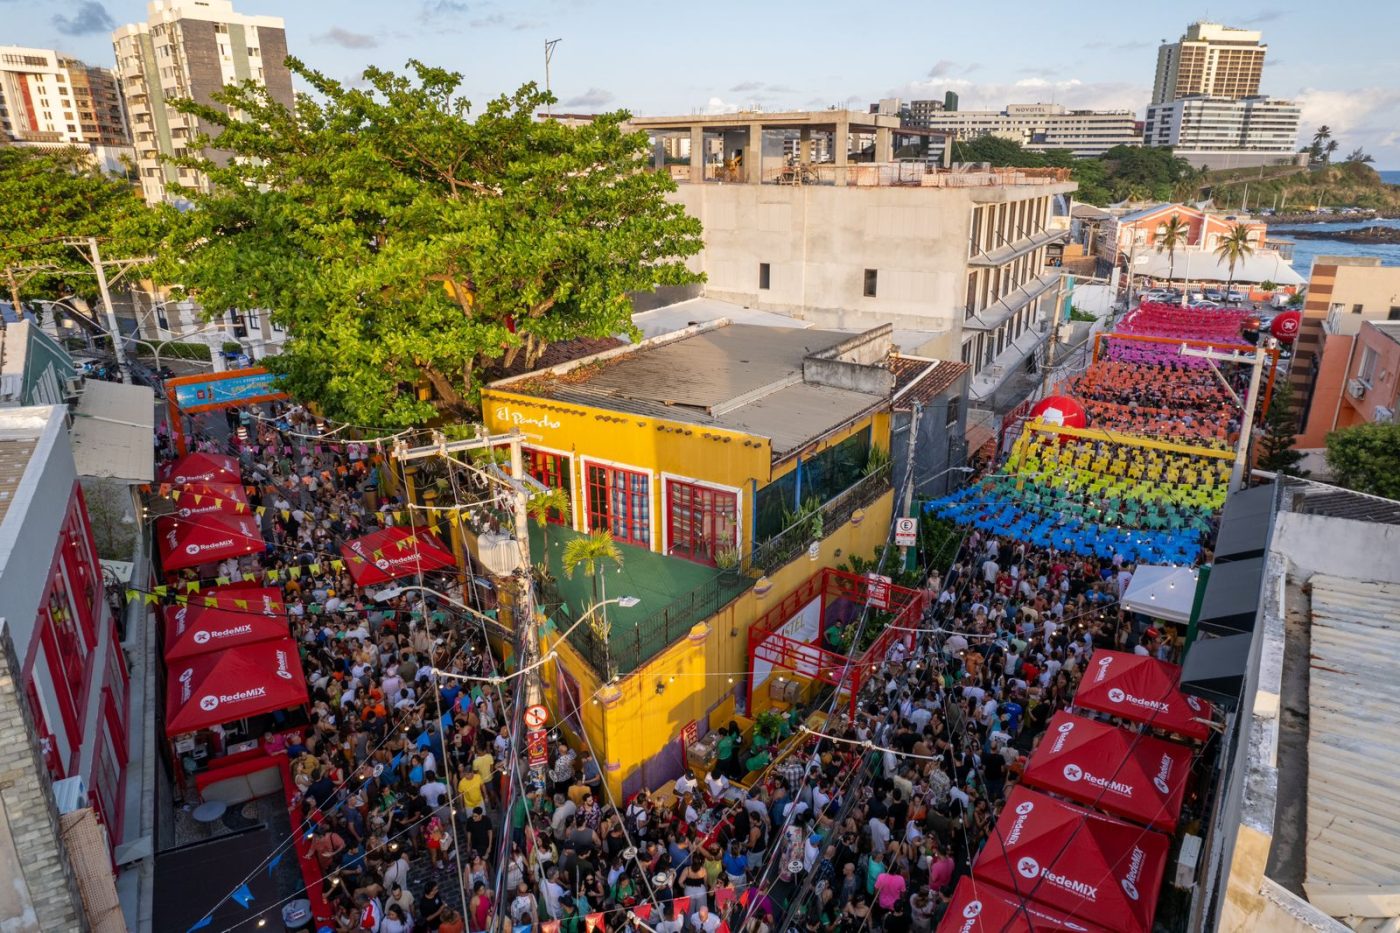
(193, 549)
(1074, 774)
(1139, 858)
(1163, 776)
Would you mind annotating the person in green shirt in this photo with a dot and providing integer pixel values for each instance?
(726, 749)
(519, 819)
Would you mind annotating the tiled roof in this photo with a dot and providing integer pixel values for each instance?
(922, 380)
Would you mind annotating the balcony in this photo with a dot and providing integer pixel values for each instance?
(674, 594)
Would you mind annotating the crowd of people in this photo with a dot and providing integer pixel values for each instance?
(422, 819)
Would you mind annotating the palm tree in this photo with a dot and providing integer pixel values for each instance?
(1359, 155)
(543, 506)
(1172, 234)
(1328, 149)
(1324, 133)
(590, 552)
(1233, 247)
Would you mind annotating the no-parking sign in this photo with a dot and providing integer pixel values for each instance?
(906, 532)
(536, 717)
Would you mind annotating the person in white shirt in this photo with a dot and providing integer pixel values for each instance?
(990, 569)
(433, 790)
(686, 784)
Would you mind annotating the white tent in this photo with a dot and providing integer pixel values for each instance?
(1162, 592)
(1194, 265)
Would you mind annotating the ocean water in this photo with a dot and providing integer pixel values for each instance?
(1391, 177)
(1305, 251)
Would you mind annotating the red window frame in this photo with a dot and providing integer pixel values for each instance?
(695, 520)
(62, 688)
(552, 470)
(106, 788)
(48, 742)
(620, 501)
(118, 683)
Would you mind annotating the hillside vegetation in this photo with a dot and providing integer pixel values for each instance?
(1347, 184)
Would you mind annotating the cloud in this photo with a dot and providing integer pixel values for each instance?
(89, 17)
(748, 87)
(444, 7)
(1264, 16)
(717, 105)
(347, 39)
(1364, 117)
(593, 97)
(941, 67)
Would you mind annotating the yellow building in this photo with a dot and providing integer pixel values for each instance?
(707, 453)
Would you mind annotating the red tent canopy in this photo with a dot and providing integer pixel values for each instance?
(249, 596)
(1139, 777)
(392, 553)
(1075, 861)
(202, 468)
(1144, 690)
(210, 689)
(206, 538)
(192, 630)
(978, 907)
(203, 498)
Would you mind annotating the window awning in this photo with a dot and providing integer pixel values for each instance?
(992, 316)
(113, 427)
(1004, 254)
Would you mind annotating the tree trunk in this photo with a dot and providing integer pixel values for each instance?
(445, 390)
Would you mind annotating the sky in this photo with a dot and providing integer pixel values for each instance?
(1336, 58)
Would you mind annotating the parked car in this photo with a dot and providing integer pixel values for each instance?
(1162, 295)
(1214, 294)
(1236, 297)
(1204, 305)
(1280, 300)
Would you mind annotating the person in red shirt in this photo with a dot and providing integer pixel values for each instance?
(451, 922)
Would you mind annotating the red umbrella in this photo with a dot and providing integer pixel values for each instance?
(1138, 777)
(211, 689)
(1075, 861)
(206, 539)
(192, 630)
(978, 907)
(392, 553)
(202, 468)
(1142, 689)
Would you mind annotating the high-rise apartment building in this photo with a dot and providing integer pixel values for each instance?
(191, 49)
(1042, 127)
(1224, 133)
(1209, 60)
(52, 100)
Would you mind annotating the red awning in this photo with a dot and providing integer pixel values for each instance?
(205, 539)
(192, 630)
(392, 553)
(201, 468)
(1138, 777)
(1144, 690)
(1075, 861)
(210, 689)
(978, 907)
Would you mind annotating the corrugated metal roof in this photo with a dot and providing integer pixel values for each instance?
(1319, 499)
(1353, 748)
(113, 430)
(740, 377)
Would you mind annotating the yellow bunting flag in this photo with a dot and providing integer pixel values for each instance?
(198, 498)
(182, 600)
(191, 586)
(294, 573)
(175, 494)
(250, 577)
(262, 510)
(314, 568)
(161, 590)
(286, 515)
(131, 594)
(151, 599)
(241, 603)
(211, 602)
(222, 581)
(338, 565)
(272, 576)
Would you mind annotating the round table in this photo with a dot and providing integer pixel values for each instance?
(211, 811)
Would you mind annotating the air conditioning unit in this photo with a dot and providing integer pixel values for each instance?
(1356, 388)
(70, 794)
(1383, 415)
(1187, 861)
(73, 386)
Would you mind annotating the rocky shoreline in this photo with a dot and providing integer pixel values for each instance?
(1329, 218)
(1387, 235)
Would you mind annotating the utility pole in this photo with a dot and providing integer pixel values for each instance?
(1247, 405)
(117, 346)
(549, 45)
(907, 495)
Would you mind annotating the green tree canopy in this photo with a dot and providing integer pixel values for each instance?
(1280, 424)
(1367, 458)
(401, 241)
(47, 195)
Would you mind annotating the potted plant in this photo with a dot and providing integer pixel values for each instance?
(727, 560)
